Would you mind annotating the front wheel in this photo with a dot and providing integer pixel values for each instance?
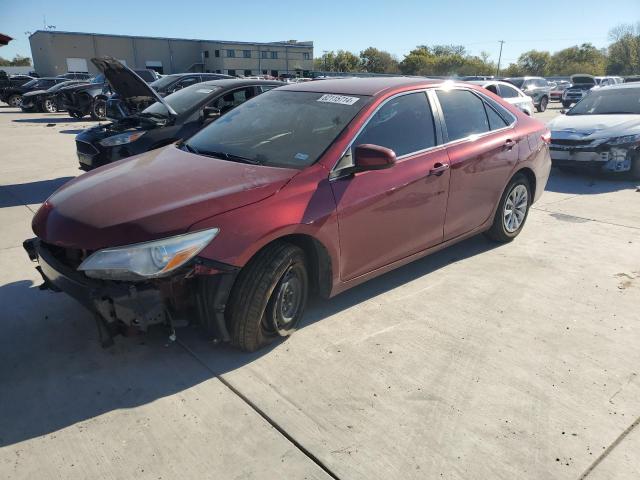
(544, 101)
(99, 109)
(512, 210)
(269, 296)
(14, 101)
(75, 114)
(49, 106)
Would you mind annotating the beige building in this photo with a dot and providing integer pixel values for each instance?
(56, 52)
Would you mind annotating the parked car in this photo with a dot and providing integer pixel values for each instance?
(581, 85)
(13, 95)
(91, 98)
(173, 118)
(75, 76)
(44, 100)
(602, 131)
(604, 81)
(473, 78)
(174, 82)
(632, 79)
(556, 92)
(7, 81)
(309, 188)
(536, 87)
(510, 93)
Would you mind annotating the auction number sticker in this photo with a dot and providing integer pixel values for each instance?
(341, 99)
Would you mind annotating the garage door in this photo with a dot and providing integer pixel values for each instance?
(77, 65)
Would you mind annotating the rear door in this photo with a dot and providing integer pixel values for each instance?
(483, 150)
(386, 215)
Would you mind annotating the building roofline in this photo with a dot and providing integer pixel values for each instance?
(269, 44)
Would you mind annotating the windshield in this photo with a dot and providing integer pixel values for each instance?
(516, 81)
(603, 102)
(58, 86)
(182, 100)
(163, 82)
(98, 79)
(30, 83)
(278, 128)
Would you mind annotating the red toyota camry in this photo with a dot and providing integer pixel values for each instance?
(307, 189)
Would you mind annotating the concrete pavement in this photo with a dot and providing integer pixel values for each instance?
(481, 361)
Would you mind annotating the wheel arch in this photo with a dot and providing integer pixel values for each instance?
(531, 177)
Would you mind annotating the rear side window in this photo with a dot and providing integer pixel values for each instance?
(404, 124)
(495, 120)
(508, 92)
(464, 113)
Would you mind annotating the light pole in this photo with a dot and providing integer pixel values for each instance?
(499, 58)
(324, 54)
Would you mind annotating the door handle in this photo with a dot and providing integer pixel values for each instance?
(509, 144)
(438, 169)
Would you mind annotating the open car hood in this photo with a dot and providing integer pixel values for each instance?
(127, 83)
(583, 79)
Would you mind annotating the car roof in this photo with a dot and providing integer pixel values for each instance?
(620, 86)
(238, 82)
(484, 83)
(360, 85)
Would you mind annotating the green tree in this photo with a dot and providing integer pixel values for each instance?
(18, 61)
(443, 60)
(578, 59)
(535, 62)
(624, 51)
(378, 61)
(347, 62)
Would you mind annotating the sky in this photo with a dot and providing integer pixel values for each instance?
(396, 26)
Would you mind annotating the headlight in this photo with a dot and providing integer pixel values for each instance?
(146, 260)
(121, 139)
(624, 139)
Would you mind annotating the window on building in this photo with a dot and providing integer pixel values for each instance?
(274, 55)
(231, 53)
(274, 73)
(404, 124)
(231, 72)
(265, 72)
(218, 71)
(464, 113)
(247, 73)
(246, 53)
(216, 53)
(306, 56)
(265, 54)
(206, 54)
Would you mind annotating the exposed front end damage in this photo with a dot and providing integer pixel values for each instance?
(596, 154)
(194, 293)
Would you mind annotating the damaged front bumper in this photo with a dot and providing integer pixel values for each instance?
(603, 157)
(198, 292)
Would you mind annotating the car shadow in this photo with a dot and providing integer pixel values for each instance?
(72, 131)
(30, 193)
(49, 120)
(54, 374)
(588, 182)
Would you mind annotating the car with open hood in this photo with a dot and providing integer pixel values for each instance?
(602, 132)
(538, 88)
(581, 85)
(509, 92)
(45, 100)
(13, 95)
(169, 119)
(307, 189)
(91, 98)
(177, 81)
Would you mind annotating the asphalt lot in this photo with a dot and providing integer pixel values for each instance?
(517, 361)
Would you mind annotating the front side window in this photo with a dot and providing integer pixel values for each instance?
(278, 128)
(404, 124)
(508, 92)
(463, 112)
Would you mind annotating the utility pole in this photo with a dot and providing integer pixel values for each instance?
(499, 58)
(324, 54)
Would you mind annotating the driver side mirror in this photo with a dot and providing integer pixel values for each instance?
(210, 112)
(373, 157)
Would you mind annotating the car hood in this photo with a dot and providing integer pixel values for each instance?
(594, 127)
(127, 83)
(154, 195)
(33, 93)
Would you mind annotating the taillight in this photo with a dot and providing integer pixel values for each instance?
(546, 137)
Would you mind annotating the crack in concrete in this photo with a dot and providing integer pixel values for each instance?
(609, 449)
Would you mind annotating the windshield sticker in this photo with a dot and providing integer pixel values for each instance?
(340, 99)
(203, 90)
(301, 156)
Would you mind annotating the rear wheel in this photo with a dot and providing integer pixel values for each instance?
(542, 106)
(49, 106)
(566, 104)
(14, 100)
(75, 114)
(269, 296)
(512, 211)
(99, 109)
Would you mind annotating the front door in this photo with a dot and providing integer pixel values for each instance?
(386, 215)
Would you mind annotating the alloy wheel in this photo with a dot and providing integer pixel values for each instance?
(50, 106)
(515, 208)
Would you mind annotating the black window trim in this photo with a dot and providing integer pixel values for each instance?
(439, 137)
